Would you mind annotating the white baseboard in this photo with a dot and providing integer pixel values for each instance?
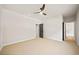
(54, 39)
(18, 41)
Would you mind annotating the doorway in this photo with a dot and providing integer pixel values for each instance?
(39, 31)
(69, 31)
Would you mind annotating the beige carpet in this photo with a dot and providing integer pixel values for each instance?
(41, 46)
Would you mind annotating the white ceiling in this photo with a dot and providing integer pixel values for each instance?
(66, 10)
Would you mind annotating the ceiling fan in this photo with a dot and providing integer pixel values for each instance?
(41, 10)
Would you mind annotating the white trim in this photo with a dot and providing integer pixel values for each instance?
(54, 39)
(18, 41)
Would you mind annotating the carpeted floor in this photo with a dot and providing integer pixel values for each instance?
(42, 47)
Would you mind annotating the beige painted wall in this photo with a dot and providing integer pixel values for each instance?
(1, 34)
(52, 25)
(77, 28)
(17, 27)
(53, 28)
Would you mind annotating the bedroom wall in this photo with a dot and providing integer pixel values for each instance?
(0, 32)
(77, 28)
(53, 28)
(17, 27)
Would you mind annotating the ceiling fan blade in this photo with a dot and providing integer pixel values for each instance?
(36, 12)
(41, 10)
(43, 7)
(44, 14)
